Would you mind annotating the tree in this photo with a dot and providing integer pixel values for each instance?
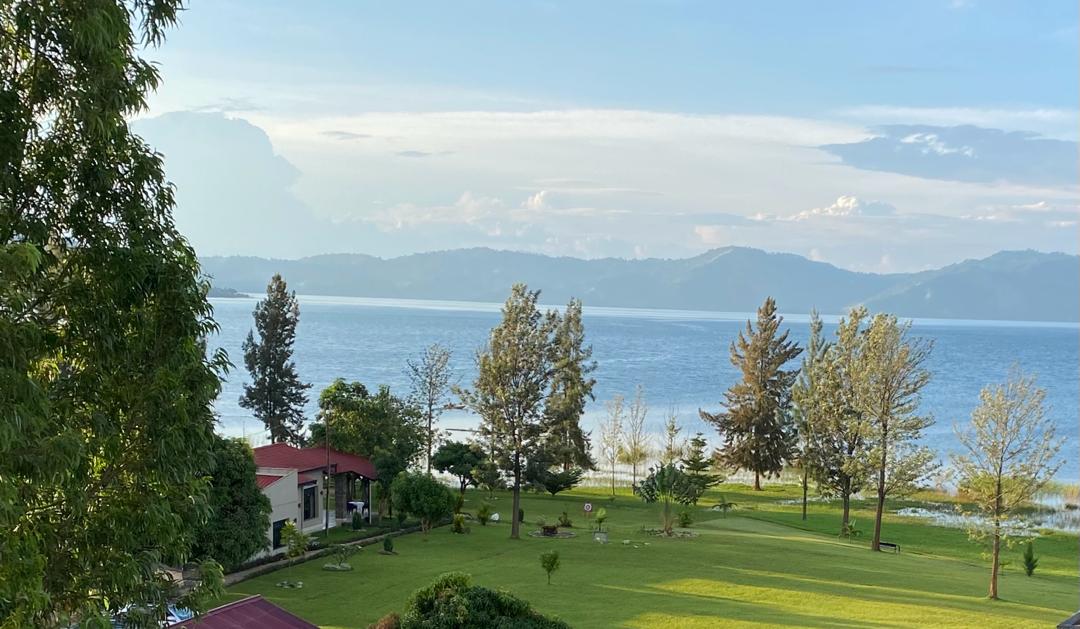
(611, 436)
(453, 601)
(571, 389)
(552, 479)
(513, 374)
(296, 544)
(459, 459)
(106, 385)
(756, 427)
(276, 396)
(239, 510)
(889, 378)
(549, 561)
(422, 497)
(430, 378)
(668, 485)
(384, 428)
(802, 398)
(698, 466)
(1010, 451)
(635, 446)
(672, 447)
(835, 432)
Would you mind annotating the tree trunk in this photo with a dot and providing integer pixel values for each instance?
(876, 544)
(804, 479)
(429, 440)
(612, 480)
(847, 513)
(757, 480)
(995, 562)
(515, 526)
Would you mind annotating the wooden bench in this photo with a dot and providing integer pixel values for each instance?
(894, 547)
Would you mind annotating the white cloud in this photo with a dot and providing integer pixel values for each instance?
(844, 206)
(932, 144)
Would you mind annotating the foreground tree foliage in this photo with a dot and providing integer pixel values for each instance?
(106, 387)
(384, 428)
(1010, 453)
(757, 426)
(276, 395)
(239, 510)
(453, 602)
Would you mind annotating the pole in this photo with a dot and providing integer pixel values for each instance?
(326, 481)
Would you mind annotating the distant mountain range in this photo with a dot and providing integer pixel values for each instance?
(1010, 285)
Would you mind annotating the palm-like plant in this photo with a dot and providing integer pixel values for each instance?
(668, 485)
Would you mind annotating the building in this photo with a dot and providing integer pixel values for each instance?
(253, 612)
(294, 479)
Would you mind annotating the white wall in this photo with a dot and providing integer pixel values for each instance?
(283, 500)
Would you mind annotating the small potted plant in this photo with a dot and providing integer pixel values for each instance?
(600, 534)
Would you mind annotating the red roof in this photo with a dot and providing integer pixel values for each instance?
(312, 459)
(265, 480)
(253, 612)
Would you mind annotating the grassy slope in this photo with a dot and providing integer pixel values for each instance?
(749, 569)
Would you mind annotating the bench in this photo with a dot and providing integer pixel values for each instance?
(894, 547)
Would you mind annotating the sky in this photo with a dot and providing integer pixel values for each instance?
(876, 136)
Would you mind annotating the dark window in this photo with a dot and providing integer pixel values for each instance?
(311, 502)
(277, 532)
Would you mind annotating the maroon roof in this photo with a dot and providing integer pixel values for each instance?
(312, 459)
(265, 480)
(253, 612)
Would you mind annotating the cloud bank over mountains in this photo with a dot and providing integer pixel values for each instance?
(594, 183)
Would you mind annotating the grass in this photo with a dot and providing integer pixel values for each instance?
(759, 567)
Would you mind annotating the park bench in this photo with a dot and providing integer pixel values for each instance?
(894, 547)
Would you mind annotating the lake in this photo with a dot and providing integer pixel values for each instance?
(681, 358)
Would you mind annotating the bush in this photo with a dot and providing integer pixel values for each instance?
(459, 503)
(564, 520)
(422, 496)
(601, 517)
(357, 521)
(388, 544)
(549, 561)
(1030, 560)
(521, 516)
(685, 519)
(483, 514)
(453, 601)
(389, 621)
(458, 524)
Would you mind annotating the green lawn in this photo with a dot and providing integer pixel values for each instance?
(750, 569)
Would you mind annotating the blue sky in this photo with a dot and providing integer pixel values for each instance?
(624, 128)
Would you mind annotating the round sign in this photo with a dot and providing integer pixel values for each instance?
(588, 507)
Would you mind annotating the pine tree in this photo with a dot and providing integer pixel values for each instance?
(802, 396)
(698, 466)
(276, 395)
(672, 447)
(571, 388)
(513, 376)
(757, 425)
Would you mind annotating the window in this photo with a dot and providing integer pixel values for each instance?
(280, 524)
(311, 502)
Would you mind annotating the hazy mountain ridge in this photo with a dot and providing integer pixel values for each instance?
(1010, 285)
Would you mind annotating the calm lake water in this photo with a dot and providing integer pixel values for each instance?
(680, 357)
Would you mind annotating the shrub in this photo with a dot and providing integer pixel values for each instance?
(453, 601)
(341, 554)
(459, 503)
(564, 520)
(601, 517)
(483, 514)
(421, 496)
(389, 621)
(549, 561)
(541, 521)
(1030, 560)
(458, 524)
(521, 516)
(668, 485)
(685, 519)
(388, 544)
(357, 521)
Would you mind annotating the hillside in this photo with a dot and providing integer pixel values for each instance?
(1010, 285)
